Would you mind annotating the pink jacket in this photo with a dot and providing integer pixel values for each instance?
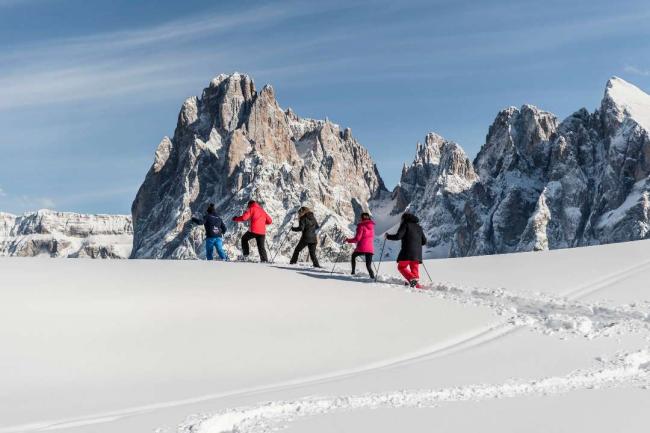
(364, 237)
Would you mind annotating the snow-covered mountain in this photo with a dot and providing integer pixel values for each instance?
(234, 143)
(65, 234)
(436, 186)
(536, 183)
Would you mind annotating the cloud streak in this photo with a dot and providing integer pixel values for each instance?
(637, 71)
(15, 3)
(177, 55)
(135, 62)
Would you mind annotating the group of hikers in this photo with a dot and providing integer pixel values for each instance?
(410, 234)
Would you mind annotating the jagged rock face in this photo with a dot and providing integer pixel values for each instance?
(511, 166)
(437, 184)
(596, 181)
(544, 186)
(416, 177)
(65, 234)
(234, 144)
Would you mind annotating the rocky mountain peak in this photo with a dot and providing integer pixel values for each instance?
(235, 143)
(435, 160)
(623, 100)
(517, 140)
(541, 185)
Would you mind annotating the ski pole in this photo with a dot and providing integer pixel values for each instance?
(277, 251)
(427, 271)
(283, 240)
(381, 255)
(266, 244)
(337, 259)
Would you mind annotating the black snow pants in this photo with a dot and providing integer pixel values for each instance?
(261, 248)
(312, 252)
(368, 263)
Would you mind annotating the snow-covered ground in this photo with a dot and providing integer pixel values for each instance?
(546, 341)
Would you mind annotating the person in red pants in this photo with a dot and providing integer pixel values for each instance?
(410, 255)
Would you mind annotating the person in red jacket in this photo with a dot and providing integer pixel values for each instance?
(364, 238)
(259, 219)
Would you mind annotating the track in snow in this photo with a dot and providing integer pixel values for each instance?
(483, 297)
(627, 370)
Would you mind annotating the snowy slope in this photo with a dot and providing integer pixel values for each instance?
(210, 347)
(631, 101)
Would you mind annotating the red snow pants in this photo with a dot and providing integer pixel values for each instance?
(410, 269)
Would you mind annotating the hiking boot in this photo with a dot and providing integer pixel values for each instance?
(413, 283)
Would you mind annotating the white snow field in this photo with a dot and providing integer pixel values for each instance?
(547, 341)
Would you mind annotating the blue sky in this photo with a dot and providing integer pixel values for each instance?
(88, 88)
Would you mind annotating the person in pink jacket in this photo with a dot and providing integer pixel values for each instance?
(364, 238)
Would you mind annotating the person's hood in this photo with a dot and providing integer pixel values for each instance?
(410, 218)
(366, 223)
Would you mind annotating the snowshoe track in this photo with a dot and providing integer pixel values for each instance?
(486, 297)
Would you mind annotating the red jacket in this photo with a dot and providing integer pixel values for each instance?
(364, 238)
(258, 217)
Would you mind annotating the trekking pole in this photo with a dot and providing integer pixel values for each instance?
(337, 260)
(283, 240)
(381, 255)
(266, 243)
(427, 271)
(281, 244)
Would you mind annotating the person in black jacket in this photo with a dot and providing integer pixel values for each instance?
(307, 225)
(410, 255)
(214, 231)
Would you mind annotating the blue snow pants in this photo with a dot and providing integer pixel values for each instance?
(211, 244)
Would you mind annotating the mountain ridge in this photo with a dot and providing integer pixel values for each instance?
(536, 183)
(65, 234)
(545, 184)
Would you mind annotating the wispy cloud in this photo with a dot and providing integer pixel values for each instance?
(175, 56)
(24, 201)
(12, 3)
(136, 62)
(97, 195)
(637, 71)
(34, 203)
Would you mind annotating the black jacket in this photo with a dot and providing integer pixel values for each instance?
(412, 237)
(214, 226)
(308, 226)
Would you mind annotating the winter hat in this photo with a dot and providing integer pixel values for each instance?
(408, 217)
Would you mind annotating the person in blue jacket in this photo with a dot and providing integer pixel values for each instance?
(214, 231)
